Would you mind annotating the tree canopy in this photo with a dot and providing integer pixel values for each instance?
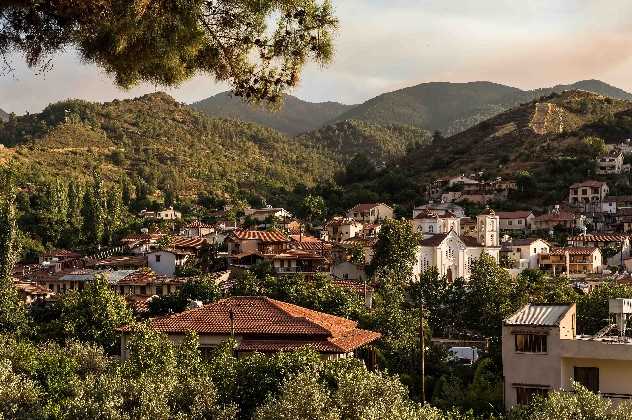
(259, 47)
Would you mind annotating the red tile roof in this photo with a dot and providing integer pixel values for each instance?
(61, 253)
(598, 238)
(556, 217)
(198, 224)
(258, 317)
(186, 242)
(260, 235)
(519, 214)
(573, 250)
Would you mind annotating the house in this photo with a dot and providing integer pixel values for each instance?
(524, 253)
(572, 261)
(146, 283)
(557, 218)
(31, 292)
(297, 261)
(123, 262)
(618, 245)
(339, 229)
(515, 220)
(454, 255)
(371, 212)
(267, 213)
(429, 223)
(613, 203)
(542, 352)
(346, 270)
(366, 244)
(261, 324)
(611, 163)
(167, 260)
(246, 247)
(141, 243)
(166, 214)
(440, 208)
(198, 229)
(58, 256)
(586, 192)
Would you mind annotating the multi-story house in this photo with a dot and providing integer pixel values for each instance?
(370, 213)
(515, 220)
(245, 247)
(524, 253)
(610, 163)
(572, 261)
(429, 223)
(587, 192)
(543, 352)
(557, 218)
(339, 229)
(619, 245)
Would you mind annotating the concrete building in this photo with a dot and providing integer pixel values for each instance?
(524, 253)
(515, 220)
(370, 213)
(611, 163)
(616, 242)
(429, 223)
(440, 208)
(587, 192)
(542, 352)
(339, 229)
(572, 261)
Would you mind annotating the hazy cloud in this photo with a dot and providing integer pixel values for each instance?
(388, 44)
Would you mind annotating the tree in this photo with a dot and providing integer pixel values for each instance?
(75, 203)
(93, 212)
(12, 312)
(259, 47)
(592, 309)
(114, 213)
(93, 314)
(314, 208)
(201, 288)
(489, 298)
(396, 247)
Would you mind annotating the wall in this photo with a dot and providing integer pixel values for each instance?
(167, 264)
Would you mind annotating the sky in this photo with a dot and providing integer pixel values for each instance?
(384, 45)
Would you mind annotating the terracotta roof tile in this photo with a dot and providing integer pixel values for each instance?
(260, 235)
(573, 250)
(598, 238)
(519, 214)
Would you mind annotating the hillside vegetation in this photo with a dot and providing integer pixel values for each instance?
(167, 144)
(544, 138)
(380, 143)
(294, 117)
(455, 107)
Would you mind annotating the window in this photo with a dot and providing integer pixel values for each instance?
(510, 222)
(157, 258)
(525, 394)
(519, 222)
(588, 377)
(430, 228)
(530, 343)
(143, 290)
(535, 250)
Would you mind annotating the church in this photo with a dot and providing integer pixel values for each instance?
(453, 255)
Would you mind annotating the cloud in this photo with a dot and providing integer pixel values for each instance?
(385, 45)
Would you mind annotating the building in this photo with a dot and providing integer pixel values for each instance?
(58, 256)
(611, 163)
(339, 229)
(440, 208)
(542, 352)
(198, 229)
(453, 255)
(587, 192)
(31, 292)
(166, 214)
(267, 213)
(524, 253)
(572, 261)
(617, 243)
(370, 213)
(146, 283)
(557, 218)
(346, 270)
(245, 247)
(429, 223)
(515, 220)
(297, 261)
(167, 260)
(261, 324)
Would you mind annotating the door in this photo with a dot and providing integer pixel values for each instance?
(449, 275)
(588, 377)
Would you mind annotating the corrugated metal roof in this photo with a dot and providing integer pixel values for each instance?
(542, 315)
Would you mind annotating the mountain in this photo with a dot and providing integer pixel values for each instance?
(544, 137)
(455, 107)
(380, 143)
(294, 117)
(4, 116)
(165, 143)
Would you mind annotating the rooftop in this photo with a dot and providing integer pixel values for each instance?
(260, 235)
(539, 315)
(366, 206)
(589, 183)
(519, 214)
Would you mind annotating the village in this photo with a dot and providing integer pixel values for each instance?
(584, 240)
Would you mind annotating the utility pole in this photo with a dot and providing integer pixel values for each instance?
(422, 340)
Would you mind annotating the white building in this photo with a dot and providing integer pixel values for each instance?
(340, 229)
(165, 261)
(524, 252)
(453, 255)
(370, 213)
(542, 352)
(430, 223)
(515, 220)
(611, 163)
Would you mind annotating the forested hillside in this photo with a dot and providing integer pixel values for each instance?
(294, 117)
(166, 144)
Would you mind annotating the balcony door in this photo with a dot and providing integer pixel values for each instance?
(588, 377)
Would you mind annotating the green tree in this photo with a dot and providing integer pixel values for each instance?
(314, 208)
(75, 203)
(259, 47)
(94, 212)
(592, 308)
(93, 314)
(12, 312)
(396, 247)
(113, 214)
